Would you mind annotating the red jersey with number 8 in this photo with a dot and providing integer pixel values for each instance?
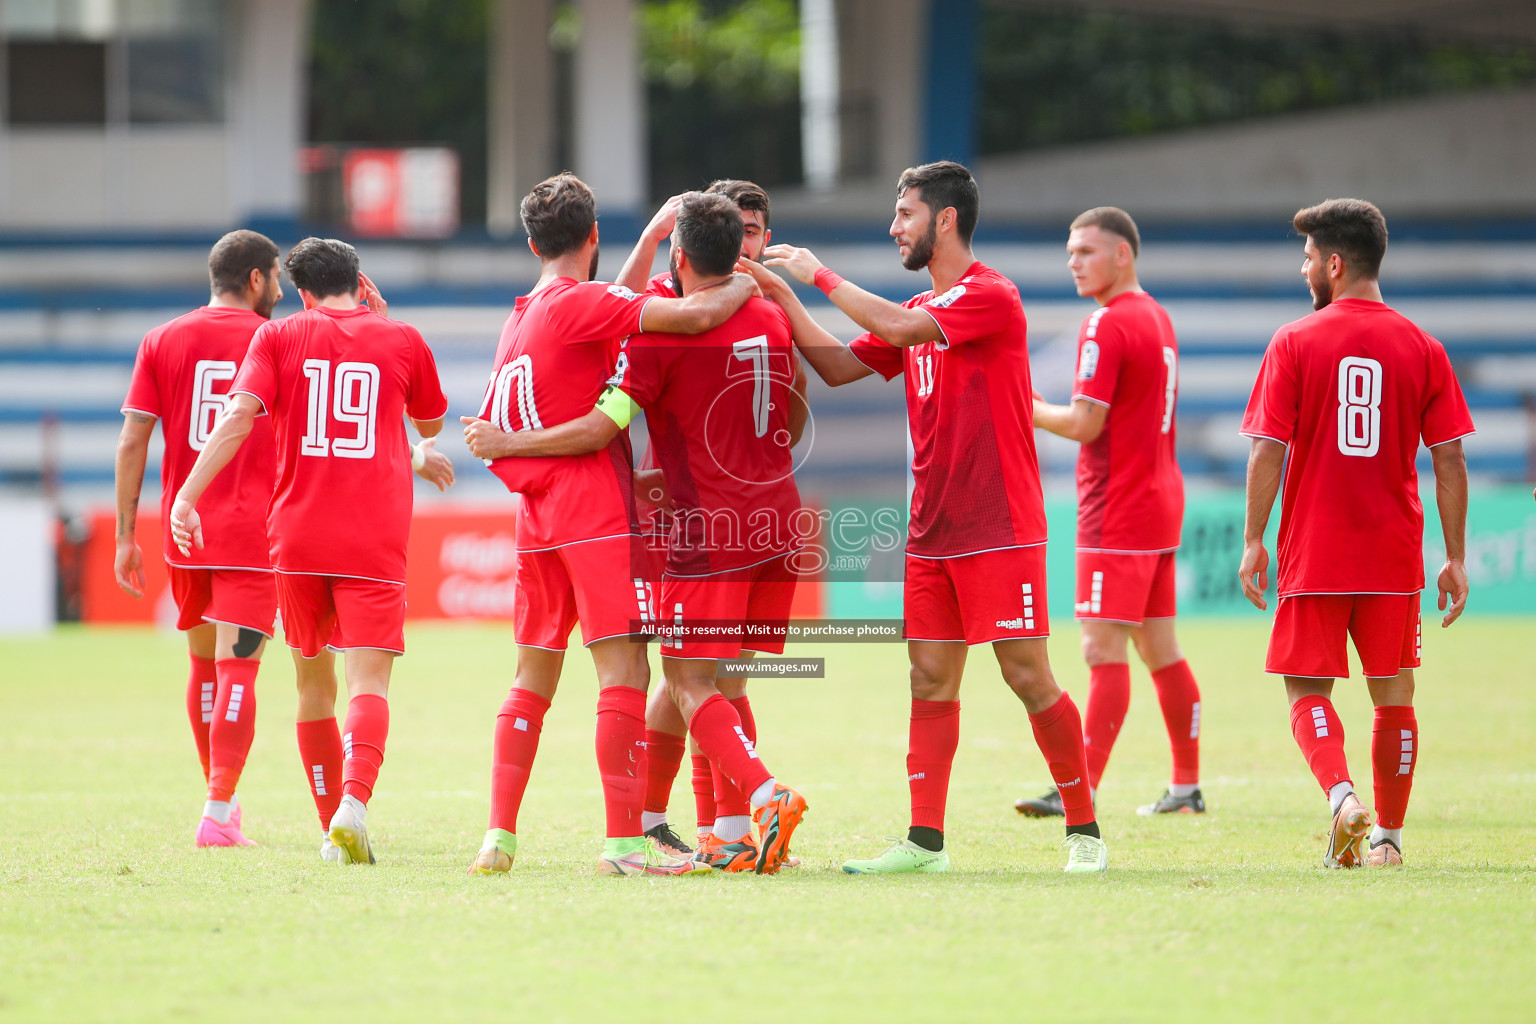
(337, 383)
(1351, 390)
(183, 375)
(1130, 493)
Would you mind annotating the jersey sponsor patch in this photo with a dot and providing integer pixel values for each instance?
(620, 291)
(1088, 364)
(949, 298)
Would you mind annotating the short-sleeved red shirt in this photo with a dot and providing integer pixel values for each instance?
(1130, 493)
(337, 383)
(557, 351)
(182, 375)
(969, 408)
(1351, 390)
(717, 405)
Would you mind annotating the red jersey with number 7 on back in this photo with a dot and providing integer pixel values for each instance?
(1351, 390)
(337, 383)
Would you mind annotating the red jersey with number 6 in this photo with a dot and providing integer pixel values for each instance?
(975, 472)
(1130, 493)
(717, 405)
(183, 375)
(1351, 390)
(557, 351)
(337, 383)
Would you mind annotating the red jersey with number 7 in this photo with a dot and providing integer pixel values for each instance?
(1351, 390)
(976, 477)
(337, 383)
(1130, 493)
(182, 375)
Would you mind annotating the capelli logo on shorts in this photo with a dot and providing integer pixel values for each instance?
(1010, 623)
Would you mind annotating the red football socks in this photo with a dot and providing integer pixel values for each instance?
(730, 800)
(233, 725)
(621, 757)
(1109, 697)
(933, 734)
(518, 725)
(1394, 750)
(202, 688)
(1179, 696)
(663, 757)
(320, 750)
(363, 741)
(1320, 735)
(1059, 734)
(716, 728)
(703, 791)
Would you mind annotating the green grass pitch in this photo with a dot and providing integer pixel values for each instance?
(107, 912)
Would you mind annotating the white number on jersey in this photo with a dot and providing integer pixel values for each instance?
(924, 366)
(1170, 386)
(1359, 406)
(207, 404)
(755, 351)
(516, 377)
(355, 402)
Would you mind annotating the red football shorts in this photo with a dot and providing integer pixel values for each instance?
(594, 582)
(340, 613)
(1308, 636)
(1125, 588)
(740, 610)
(978, 599)
(237, 597)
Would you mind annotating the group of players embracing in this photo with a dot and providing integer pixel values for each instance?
(701, 546)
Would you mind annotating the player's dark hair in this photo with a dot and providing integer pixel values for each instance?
(709, 231)
(234, 256)
(944, 184)
(558, 214)
(1111, 219)
(1353, 228)
(323, 267)
(747, 195)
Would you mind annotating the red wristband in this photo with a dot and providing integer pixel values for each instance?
(826, 279)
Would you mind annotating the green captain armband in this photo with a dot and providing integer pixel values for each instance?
(617, 405)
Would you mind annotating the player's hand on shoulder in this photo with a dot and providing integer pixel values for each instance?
(128, 567)
(769, 285)
(1453, 587)
(436, 468)
(369, 293)
(1253, 572)
(186, 526)
(802, 263)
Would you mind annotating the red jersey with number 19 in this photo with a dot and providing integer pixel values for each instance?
(336, 383)
(182, 375)
(1130, 493)
(557, 351)
(1350, 390)
(969, 408)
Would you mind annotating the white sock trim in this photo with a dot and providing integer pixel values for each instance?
(762, 794)
(1181, 789)
(1337, 794)
(732, 827)
(650, 819)
(218, 810)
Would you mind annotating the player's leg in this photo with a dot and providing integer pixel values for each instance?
(666, 741)
(1387, 632)
(363, 738)
(233, 726)
(202, 688)
(1178, 695)
(1106, 651)
(733, 811)
(319, 738)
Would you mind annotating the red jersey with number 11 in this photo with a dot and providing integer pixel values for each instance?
(337, 383)
(1351, 390)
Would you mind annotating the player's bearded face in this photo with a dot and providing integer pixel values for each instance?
(270, 294)
(920, 250)
(677, 284)
(1315, 269)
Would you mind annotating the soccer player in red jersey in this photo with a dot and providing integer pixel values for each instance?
(337, 380)
(717, 802)
(1342, 400)
(225, 596)
(577, 534)
(718, 406)
(975, 567)
(1130, 505)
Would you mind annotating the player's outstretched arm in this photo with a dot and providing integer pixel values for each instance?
(883, 318)
(636, 272)
(833, 361)
(132, 454)
(584, 434)
(701, 311)
(228, 435)
(1265, 462)
(1451, 499)
(1082, 421)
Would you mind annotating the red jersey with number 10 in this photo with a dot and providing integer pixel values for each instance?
(182, 375)
(970, 411)
(1130, 493)
(1351, 390)
(337, 383)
